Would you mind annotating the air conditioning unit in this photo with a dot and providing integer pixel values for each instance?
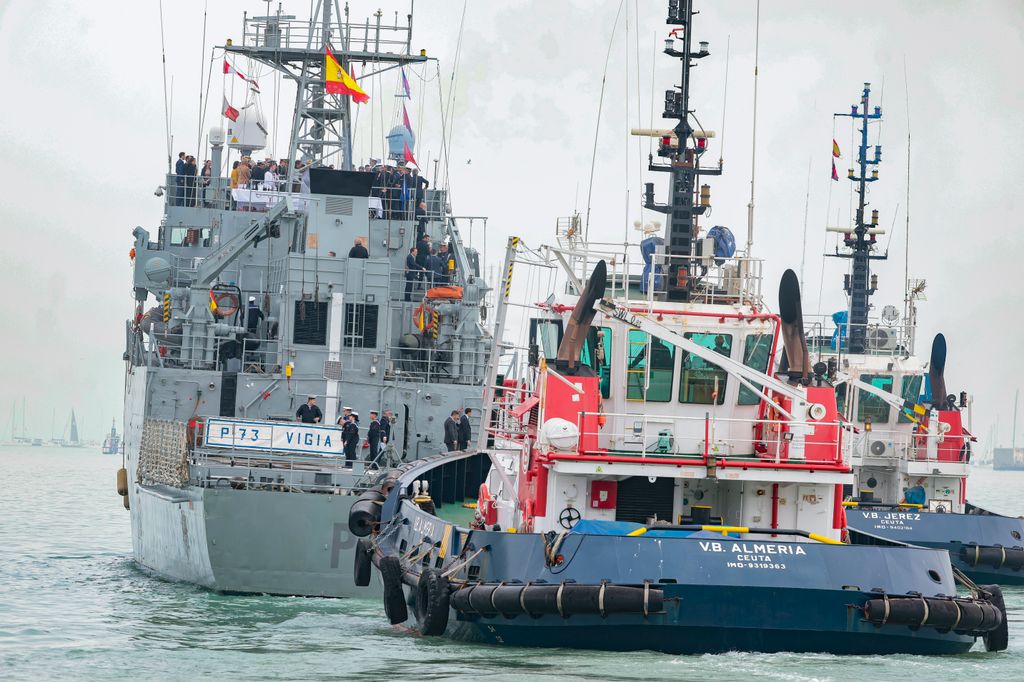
(882, 449)
(882, 338)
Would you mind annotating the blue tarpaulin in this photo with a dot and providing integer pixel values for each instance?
(591, 527)
(725, 243)
(841, 318)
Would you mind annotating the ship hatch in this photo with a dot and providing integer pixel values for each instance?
(639, 499)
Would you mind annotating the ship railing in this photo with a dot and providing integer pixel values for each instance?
(448, 363)
(711, 280)
(699, 440)
(826, 336)
(276, 470)
(403, 284)
(288, 33)
(892, 447)
(217, 193)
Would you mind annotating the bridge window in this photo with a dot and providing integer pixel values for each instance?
(650, 381)
(757, 352)
(602, 367)
(911, 391)
(870, 406)
(547, 335)
(701, 382)
(310, 326)
(360, 325)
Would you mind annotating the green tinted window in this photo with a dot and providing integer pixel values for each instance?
(655, 374)
(870, 406)
(702, 383)
(589, 356)
(911, 390)
(757, 351)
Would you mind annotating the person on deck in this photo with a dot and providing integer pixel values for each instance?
(447, 262)
(358, 250)
(234, 175)
(421, 219)
(451, 431)
(179, 181)
(436, 267)
(349, 438)
(373, 436)
(253, 316)
(413, 272)
(423, 251)
(309, 413)
(385, 426)
(420, 184)
(465, 429)
(191, 171)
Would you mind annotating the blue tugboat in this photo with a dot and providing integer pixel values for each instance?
(911, 445)
(649, 480)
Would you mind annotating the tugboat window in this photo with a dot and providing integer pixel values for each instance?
(310, 326)
(701, 382)
(654, 376)
(602, 366)
(757, 350)
(547, 334)
(911, 390)
(870, 406)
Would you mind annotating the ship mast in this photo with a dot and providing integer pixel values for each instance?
(321, 131)
(861, 241)
(683, 153)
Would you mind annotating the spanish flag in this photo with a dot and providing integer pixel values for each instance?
(338, 82)
(835, 149)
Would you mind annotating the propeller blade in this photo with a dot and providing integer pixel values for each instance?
(793, 341)
(937, 370)
(582, 315)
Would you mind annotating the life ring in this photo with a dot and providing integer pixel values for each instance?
(423, 318)
(486, 507)
(432, 602)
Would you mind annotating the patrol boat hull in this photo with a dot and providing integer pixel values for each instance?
(718, 593)
(985, 546)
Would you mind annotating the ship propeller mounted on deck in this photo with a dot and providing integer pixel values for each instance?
(937, 371)
(796, 360)
(568, 358)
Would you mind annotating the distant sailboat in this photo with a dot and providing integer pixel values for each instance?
(72, 441)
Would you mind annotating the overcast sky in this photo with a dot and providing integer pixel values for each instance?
(83, 135)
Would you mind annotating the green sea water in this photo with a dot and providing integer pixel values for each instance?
(73, 605)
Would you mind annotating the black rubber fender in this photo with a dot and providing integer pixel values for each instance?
(394, 596)
(999, 638)
(365, 513)
(363, 564)
(432, 602)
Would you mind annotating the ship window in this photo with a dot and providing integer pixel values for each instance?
(310, 326)
(650, 381)
(602, 367)
(757, 350)
(871, 406)
(702, 383)
(911, 390)
(360, 325)
(547, 334)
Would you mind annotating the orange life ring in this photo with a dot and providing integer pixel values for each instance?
(423, 318)
(486, 507)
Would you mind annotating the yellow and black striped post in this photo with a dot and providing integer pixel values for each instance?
(435, 320)
(167, 308)
(513, 244)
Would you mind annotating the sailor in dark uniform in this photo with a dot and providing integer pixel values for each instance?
(373, 436)
(451, 431)
(349, 438)
(385, 426)
(465, 429)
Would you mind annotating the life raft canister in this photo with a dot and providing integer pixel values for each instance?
(423, 318)
(485, 506)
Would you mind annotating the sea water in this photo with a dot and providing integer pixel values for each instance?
(74, 605)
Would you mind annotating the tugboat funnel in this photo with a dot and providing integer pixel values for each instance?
(579, 322)
(796, 360)
(937, 370)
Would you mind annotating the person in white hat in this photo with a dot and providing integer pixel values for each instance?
(253, 316)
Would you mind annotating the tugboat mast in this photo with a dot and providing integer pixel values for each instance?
(684, 160)
(860, 284)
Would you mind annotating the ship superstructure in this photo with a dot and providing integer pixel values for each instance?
(249, 302)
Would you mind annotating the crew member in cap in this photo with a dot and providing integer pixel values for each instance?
(309, 413)
(373, 436)
(349, 438)
(385, 426)
(253, 315)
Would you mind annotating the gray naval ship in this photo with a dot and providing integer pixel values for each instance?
(225, 488)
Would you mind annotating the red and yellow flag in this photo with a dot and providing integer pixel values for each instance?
(835, 149)
(338, 82)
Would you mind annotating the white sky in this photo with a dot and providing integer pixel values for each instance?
(83, 139)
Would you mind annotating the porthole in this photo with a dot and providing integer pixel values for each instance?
(934, 575)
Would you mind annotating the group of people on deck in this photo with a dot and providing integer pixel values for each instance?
(458, 430)
(188, 180)
(378, 432)
(434, 265)
(267, 175)
(402, 191)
